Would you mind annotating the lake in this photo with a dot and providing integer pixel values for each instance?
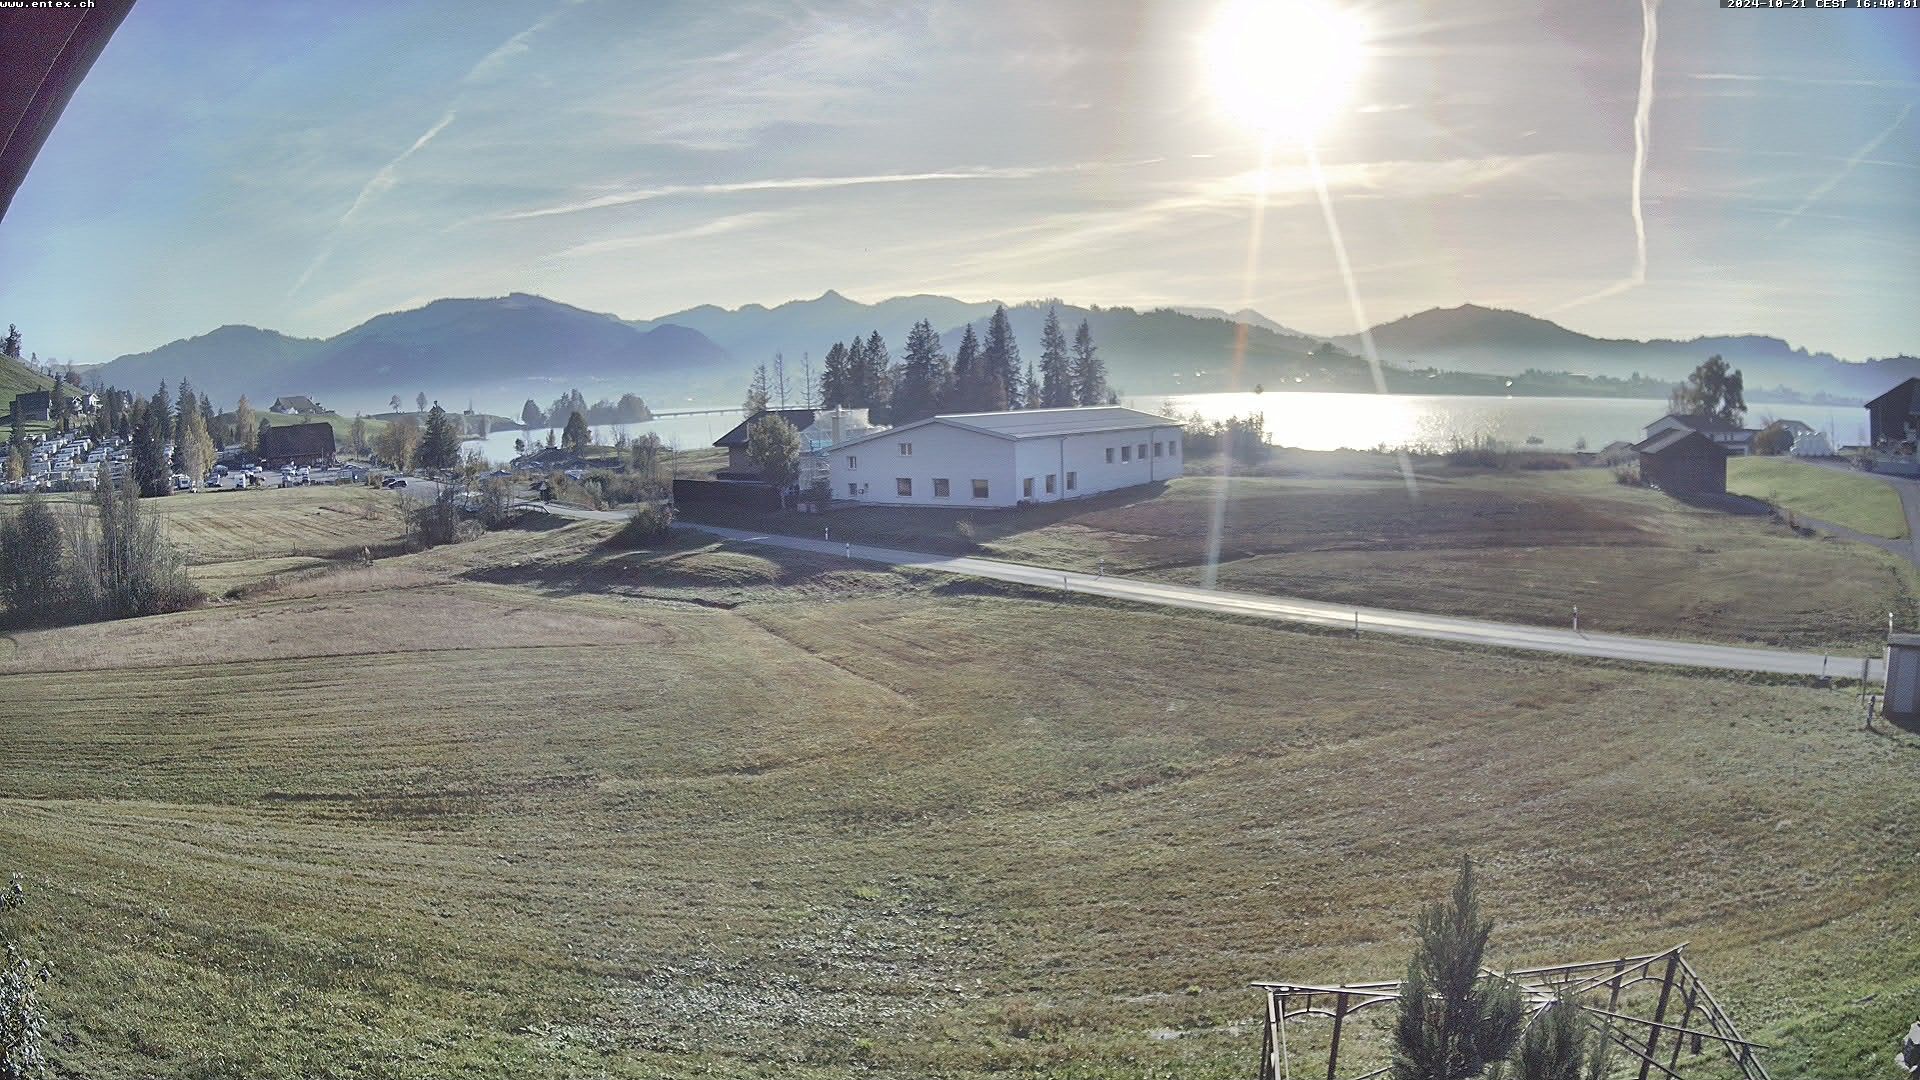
(1315, 421)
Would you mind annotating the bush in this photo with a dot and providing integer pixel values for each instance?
(1243, 439)
(649, 523)
(604, 488)
(433, 522)
(33, 565)
(121, 564)
(1627, 472)
(23, 1021)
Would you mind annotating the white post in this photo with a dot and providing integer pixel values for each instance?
(849, 549)
(1576, 618)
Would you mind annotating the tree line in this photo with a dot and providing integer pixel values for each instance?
(983, 375)
(107, 561)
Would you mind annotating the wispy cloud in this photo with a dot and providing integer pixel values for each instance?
(793, 183)
(1796, 80)
(715, 227)
(1852, 163)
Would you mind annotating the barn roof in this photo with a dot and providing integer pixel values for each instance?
(297, 440)
(1667, 440)
(1016, 424)
(1906, 385)
(801, 419)
(1701, 423)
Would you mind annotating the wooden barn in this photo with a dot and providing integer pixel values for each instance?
(1891, 417)
(1683, 462)
(297, 444)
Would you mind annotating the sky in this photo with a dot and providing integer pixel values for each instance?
(304, 166)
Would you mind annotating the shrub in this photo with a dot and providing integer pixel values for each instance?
(648, 523)
(1241, 438)
(1627, 472)
(33, 572)
(23, 1021)
(122, 566)
(433, 522)
(604, 488)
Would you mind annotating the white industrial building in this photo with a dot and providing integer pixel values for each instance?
(1007, 458)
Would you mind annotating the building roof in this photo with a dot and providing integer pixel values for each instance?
(801, 419)
(1667, 440)
(294, 403)
(1016, 424)
(297, 440)
(1903, 385)
(1700, 423)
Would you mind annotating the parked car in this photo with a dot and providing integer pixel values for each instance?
(394, 482)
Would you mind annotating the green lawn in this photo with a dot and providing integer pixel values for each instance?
(1856, 500)
(523, 808)
(1517, 545)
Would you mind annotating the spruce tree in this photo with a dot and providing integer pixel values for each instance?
(1560, 1044)
(1454, 1020)
(1030, 389)
(878, 374)
(857, 379)
(833, 377)
(59, 407)
(1056, 372)
(1089, 371)
(11, 346)
(439, 443)
(1001, 354)
(576, 436)
(149, 459)
(923, 377)
(966, 395)
(530, 415)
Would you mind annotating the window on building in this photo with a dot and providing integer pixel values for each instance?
(906, 449)
(1173, 447)
(1050, 482)
(903, 486)
(1109, 455)
(852, 462)
(940, 490)
(1143, 451)
(1072, 480)
(1126, 453)
(979, 489)
(1156, 449)
(1026, 488)
(853, 491)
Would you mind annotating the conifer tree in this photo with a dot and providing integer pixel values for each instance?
(857, 376)
(966, 392)
(576, 436)
(756, 391)
(1056, 372)
(1454, 1020)
(833, 377)
(439, 443)
(879, 372)
(1001, 355)
(923, 377)
(1089, 371)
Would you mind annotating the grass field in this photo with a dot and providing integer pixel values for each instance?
(1521, 546)
(1854, 499)
(527, 806)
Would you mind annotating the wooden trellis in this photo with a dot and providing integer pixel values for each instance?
(1595, 987)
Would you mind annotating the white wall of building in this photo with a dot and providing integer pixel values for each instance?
(870, 471)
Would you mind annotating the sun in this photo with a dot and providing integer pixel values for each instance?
(1284, 67)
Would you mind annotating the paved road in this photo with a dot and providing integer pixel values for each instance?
(1481, 632)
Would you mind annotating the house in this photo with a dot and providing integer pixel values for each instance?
(33, 405)
(1006, 458)
(1731, 437)
(1893, 416)
(297, 405)
(550, 459)
(1682, 461)
(297, 444)
(1617, 452)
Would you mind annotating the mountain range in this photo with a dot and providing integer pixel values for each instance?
(498, 351)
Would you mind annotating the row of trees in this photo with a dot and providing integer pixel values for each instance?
(629, 409)
(983, 375)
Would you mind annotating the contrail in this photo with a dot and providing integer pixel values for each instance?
(1833, 181)
(1642, 128)
(381, 181)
